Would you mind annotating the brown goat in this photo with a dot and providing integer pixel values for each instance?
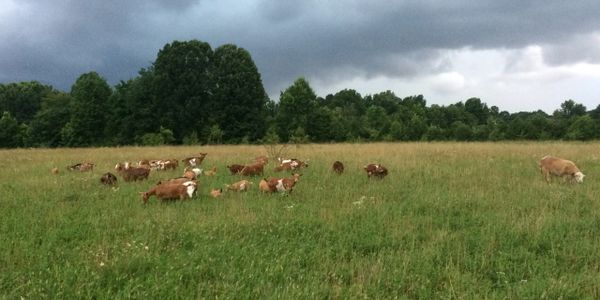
(108, 179)
(132, 173)
(235, 169)
(262, 159)
(264, 186)
(170, 190)
(253, 169)
(191, 175)
(338, 167)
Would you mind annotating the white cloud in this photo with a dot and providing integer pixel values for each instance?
(512, 79)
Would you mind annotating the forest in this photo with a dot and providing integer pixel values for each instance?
(194, 94)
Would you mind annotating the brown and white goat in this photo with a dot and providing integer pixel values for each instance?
(376, 170)
(194, 161)
(82, 167)
(216, 193)
(281, 184)
(554, 166)
(168, 190)
(240, 186)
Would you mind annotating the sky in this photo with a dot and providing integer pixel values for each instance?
(518, 55)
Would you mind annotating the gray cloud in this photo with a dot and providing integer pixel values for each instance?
(56, 41)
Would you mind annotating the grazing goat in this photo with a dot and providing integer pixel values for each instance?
(281, 184)
(235, 169)
(264, 187)
(194, 161)
(262, 159)
(191, 175)
(216, 193)
(168, 190)
(211, 172)
(108, 179)
(338, 167)
(240, 186)
(290, 164)
(376, 170)
(555, 166)
(81, 167)
(168, 164)
(253, 169)
(173, 180)
(132, 173)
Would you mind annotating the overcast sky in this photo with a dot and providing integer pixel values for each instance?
(518, 55)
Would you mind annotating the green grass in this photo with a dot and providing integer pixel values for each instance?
(452, 220)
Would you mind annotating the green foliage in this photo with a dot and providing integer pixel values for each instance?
(191, 139)
(583, 128)
(299, 136)
(215, 135)
(45, 128)
(296, 105)
(461, 131)
(90, 107)
(23, 99)
(152, 139)
(239, 97)
(10, 132)
(163, 137)
(217, 96)
(181, 87)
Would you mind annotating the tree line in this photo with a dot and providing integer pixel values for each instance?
(194, 94)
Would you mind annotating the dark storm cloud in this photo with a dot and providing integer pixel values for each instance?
(330, 40)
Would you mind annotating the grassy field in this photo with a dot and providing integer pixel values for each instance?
(452, 220)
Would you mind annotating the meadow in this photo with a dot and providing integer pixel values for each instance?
(451, 220)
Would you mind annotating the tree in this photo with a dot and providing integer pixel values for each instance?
(23, 99)
(181, 87)
(296, 105)
(479, 110)
(90, 107)
(583, 128)
(10, 132)
(461, 131)
(45, 128)
(215, 134)
(377, 122)
(239, 95)
(416, 128)
(570, 108)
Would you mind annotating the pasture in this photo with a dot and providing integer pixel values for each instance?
(451, 220)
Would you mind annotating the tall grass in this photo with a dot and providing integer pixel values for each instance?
(451, 220)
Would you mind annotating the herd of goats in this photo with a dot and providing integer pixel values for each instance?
(185, 187)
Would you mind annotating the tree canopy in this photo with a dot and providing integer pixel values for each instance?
(193, 93)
